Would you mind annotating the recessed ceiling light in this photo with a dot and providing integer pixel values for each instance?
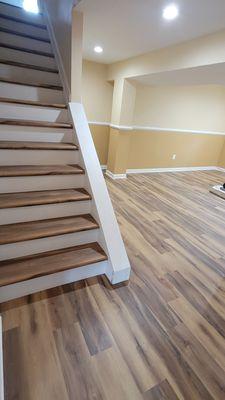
(170, 12)
(31, 6)
(98, 49)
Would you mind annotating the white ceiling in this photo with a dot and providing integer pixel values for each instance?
(206, 75)
(125, 28)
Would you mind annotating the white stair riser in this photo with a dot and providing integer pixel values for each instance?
(27, 58)
(38, 157)
(28, 75)
(24, 28)
(35, 213)
(13, 130)
(35, 183)
(27, 43)
(33, 113)
(49, 281)
(32, 93)
(20, 249)
(24, 133)
(18, 12)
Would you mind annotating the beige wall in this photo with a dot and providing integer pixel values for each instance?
(205, 50)
(97, 99)
(100, 136)
(155, 150)
(181, 107)
(60, 13)
(96, 92)
(222, 157)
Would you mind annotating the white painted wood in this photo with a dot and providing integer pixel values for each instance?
(34, 134)
(177, 169)
(121, 127)
(118, 266)
(24, 28)
(27, 43)
(115, 176)
(1, 363)
(14, 250)
(99, 123)
(38, 157)
(35, 183)
(33, 113)
(33, 131)
(175, 130)
(35, 213)
(23, 92)
(28, 75)
(21, 13)
(27, 58)
(156, 129)
(61, 278)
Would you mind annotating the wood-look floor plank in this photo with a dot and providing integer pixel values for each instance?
(31, 230)
(163, 391)
(159, 337)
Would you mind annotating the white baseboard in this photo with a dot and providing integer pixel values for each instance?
(220, 169)
(1, 363)
(161, 170)
(115, 176)
(179, 169)
(104, 167)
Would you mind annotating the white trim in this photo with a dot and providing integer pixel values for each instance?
(162, 170)
(1, 363)
(157, 129)
(177, 169)
(118, 265)
(99, 123)
(176, 130)
(57, 54)
(103, 167)
(121, 127)
(115, 176)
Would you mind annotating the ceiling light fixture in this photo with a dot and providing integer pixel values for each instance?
(31, 6)
(170, 12)
(98, 49)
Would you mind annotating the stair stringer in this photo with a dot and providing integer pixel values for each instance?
(118, 265)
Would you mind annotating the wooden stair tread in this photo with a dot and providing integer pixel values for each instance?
(28, 66)
(26, 50)
(30, 267)
(40, 124)
(33, 103)
(26, 35)
(23, 231)
(41, 85)
(19, 145)
(24, 199)
(39, 170)
(22, 21)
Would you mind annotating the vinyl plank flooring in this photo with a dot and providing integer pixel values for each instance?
(162, 336)
(162, 391)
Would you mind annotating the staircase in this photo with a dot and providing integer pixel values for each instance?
(49, 229)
